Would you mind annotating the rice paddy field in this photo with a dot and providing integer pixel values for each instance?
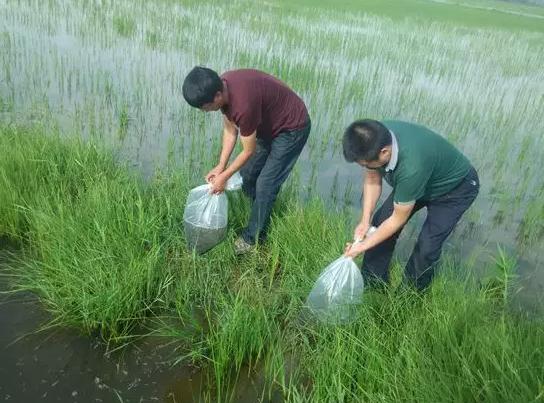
(99, 151)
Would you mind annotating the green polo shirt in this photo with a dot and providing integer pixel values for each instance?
(424, 165)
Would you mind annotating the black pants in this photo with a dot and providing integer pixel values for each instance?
(264, 174)
(443, 213)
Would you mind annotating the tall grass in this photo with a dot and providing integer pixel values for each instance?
(104, 249)
(113, 72)
(94, 235)
(105, 253)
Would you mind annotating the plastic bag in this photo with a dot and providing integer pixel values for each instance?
(205, 217)
(337, 292)
(235, 182)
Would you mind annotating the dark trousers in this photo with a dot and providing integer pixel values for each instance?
(443, 213)
(264, 174)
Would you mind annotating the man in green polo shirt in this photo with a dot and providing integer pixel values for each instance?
(425, 170)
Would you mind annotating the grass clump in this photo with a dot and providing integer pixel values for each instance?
(125, 26)
(94, 237)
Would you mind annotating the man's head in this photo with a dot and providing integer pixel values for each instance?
(203, 89)
(367, 142)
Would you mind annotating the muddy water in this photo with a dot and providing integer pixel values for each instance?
(202, 239)
(61, 365)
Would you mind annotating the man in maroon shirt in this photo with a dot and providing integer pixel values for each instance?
(274, 125)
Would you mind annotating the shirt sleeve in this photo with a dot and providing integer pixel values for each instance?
(411, 186)
(250, 118)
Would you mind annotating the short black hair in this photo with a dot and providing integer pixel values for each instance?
(200, 86)
(364, 139)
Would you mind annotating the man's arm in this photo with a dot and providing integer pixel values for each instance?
(249, 144)
(372, 190)
(401, 214)
(230, 136)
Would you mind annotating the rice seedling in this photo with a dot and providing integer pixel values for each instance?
(94, 194)
(125, 26)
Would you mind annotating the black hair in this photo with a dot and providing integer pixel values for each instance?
(364, 139)
(200, 86)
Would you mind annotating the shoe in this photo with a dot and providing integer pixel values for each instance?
(241, 247)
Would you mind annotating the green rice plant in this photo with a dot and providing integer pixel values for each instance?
(531, 229)
(124, 25)
(123, 123)
(152, 39)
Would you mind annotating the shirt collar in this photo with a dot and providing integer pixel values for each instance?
(394, 153)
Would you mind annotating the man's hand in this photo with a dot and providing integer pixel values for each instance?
(216, 171)
(361, 230)
(218, 184)
(401, 214)
(354, 249)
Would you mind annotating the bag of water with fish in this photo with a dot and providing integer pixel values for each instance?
(337, 292)
(205, 217)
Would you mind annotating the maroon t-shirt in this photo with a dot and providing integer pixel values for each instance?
(260, 102)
